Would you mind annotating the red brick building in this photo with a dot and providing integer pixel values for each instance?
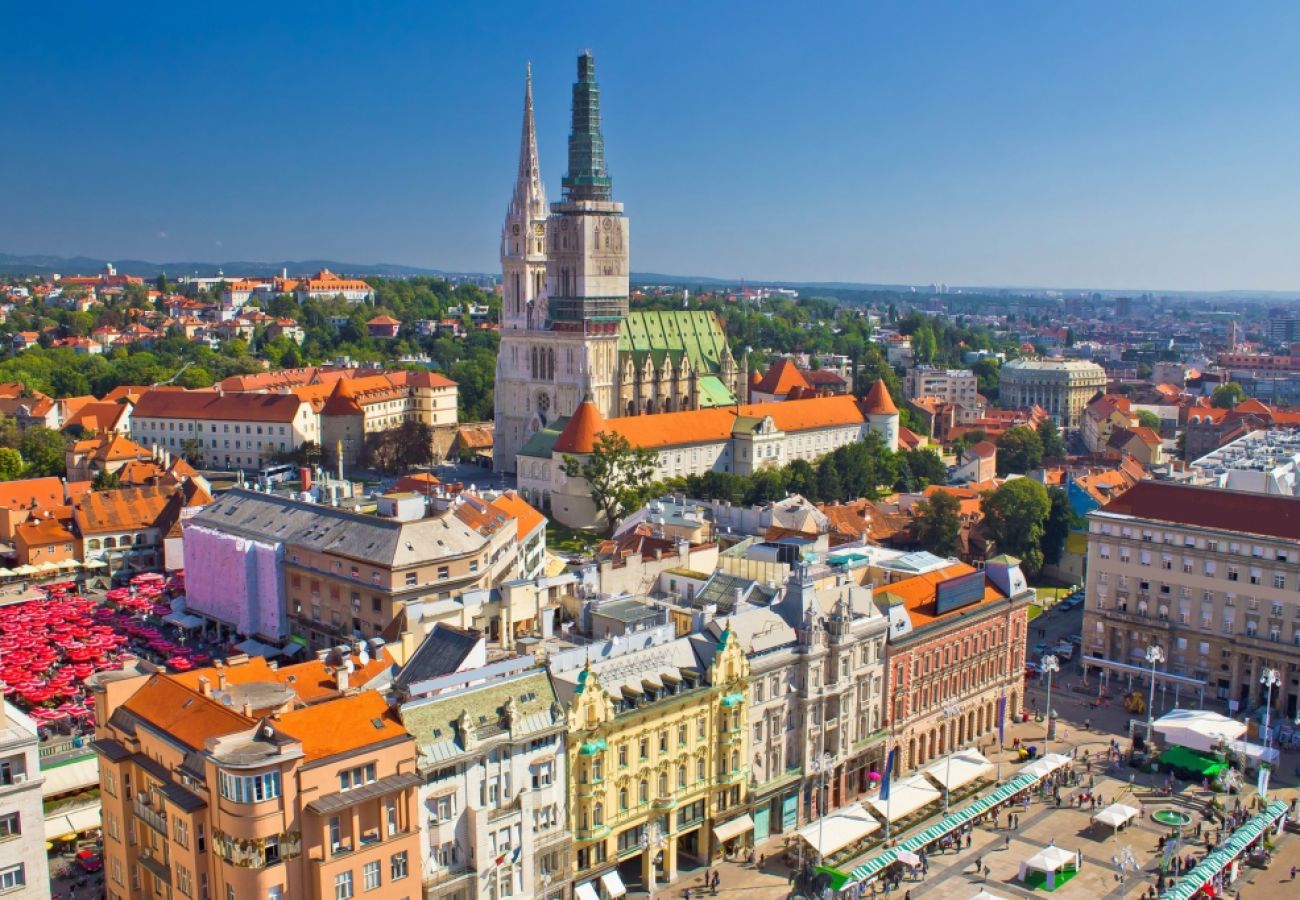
(956, 653)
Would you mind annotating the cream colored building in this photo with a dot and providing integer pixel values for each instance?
(658, 749)
(1061, 387)
(224, 431)
(1210, 576)
(949, 385)
(24, 870)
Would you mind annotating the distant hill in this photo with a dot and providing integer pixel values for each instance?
(12, 264)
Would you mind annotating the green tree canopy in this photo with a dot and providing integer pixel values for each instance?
(1050, 437)
(43, 448)
(619, 476)
(1016, 515)
(1019, 450)
(1226, 396)
(11, 464)
(938, 523)
(1147, 419)
(1057, 527)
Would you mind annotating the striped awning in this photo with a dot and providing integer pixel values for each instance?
(1216, 862)
(947, 825)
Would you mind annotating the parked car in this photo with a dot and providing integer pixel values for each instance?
(1040, 648)
(1064, 650)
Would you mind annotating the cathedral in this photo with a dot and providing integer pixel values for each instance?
(566, 330)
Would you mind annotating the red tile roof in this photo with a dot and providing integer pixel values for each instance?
(878, 402)
(343, 725)
(156, 404)
(783, 377)
(1267, 515)
(579, 434)
(31, 493)
(514, 506)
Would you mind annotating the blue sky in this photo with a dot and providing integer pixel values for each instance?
(1105, 144)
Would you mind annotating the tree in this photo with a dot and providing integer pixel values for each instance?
(1019, 450)
(828, 481)
(1057, 528)
(1226, 396)
(106, 481)
(1015, 515)
(11, 464)
(1050, 436)
(399, 449)
(988, 372)
(44, 449)
(938, 522)
(927, 468)
(1147, 419)
(618, 475)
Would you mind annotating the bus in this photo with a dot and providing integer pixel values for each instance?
(277, 474)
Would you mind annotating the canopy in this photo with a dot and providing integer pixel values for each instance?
(257, 648)
(1050, 861)
(76, 822)
(906, 797)
(26, 569)
(1041, 768)
(69, 564)
(985, 895)
(1188, 760)
(613, 884)
(94, 564)
(77, 776)
(1216, 862)
(959, 769)
(1255, 753)
(1115, 815)
(185, 620)
(587, 891)
(1199, 729)
(838, 830)
(730, 829)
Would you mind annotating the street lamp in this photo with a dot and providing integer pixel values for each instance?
(821, 766)
(1155, 656)
(950, 711)
(652, 839)
(1270, 678)
(1049, 665)
(1124, 861)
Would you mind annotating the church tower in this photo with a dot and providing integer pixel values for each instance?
(523, 248)
(523, 271)
(587, 260)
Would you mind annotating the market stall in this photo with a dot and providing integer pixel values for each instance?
(906, 796)
(1049, 867)
(840, 829)
(1115, 816)
(960, 769)
(1198, 729)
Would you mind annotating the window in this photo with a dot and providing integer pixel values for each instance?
(343, 886)
(444, 572)
(355, 778)
(370, 878)
(275, 892)
(9, 826)
(622, 756)
(12, 877)
(250, 788)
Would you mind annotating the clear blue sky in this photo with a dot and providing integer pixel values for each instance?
(1108, 144)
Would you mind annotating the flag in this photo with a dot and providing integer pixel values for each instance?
(500, 859)
(514, 857)
(1002, 720)
(887, 775)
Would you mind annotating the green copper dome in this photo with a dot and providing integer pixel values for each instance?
(586, 179)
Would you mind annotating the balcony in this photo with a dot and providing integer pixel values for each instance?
(446, 876)
(155, 819)
(505, 809)
(663, 802)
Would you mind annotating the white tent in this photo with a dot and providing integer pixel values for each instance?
(1255, 753)
(1049, 860)
(905, 797)
(960, 769)
(1198, 729)
(1115, 815)
(985, 895)
(1049, 763)
(839, 829)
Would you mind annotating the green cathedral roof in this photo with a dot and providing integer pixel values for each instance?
(696, 333)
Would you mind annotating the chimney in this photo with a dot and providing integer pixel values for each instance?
(341, 678)
(248, 709)
(221, 679)
(205, 686)
(408, 646)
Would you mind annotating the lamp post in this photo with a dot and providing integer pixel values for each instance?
(821, 765)
(1049, 665)
(652, 839)
(950, 711)
(1123, 861)
(1154, 656)
(1270, 678)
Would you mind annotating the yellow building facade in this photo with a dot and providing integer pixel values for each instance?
(658, 761)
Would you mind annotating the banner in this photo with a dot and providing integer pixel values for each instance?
(887, 775)
(1261, 782)
(1002, 721)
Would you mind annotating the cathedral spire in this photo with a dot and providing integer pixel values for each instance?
(530, 196)
(587, 178)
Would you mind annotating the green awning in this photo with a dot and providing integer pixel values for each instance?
(838, 878)
(874, 865)
(591, 748)
(733, 699)
(1186, 886)
(1188, 760)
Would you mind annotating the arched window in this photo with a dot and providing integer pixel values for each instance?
(622, 798)
(735, 760)
(681, 776)
(93, 544)
(643, 792)
(598, 814)
(663, 784)
(110, 543)
(699, 769)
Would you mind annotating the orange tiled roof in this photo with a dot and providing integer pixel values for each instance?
(918, 593)
(44, 531)
(211, 405)
(579, 434)
(419, 482)
(310, 680)
(783, 377)
(184, 714)
(514, 506)
(343, 725)
(31, 493)
(878, 402)
(122, 509)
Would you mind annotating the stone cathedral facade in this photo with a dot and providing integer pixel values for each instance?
(566, 330)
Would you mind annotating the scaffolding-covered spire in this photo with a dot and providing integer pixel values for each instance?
(587, 178)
